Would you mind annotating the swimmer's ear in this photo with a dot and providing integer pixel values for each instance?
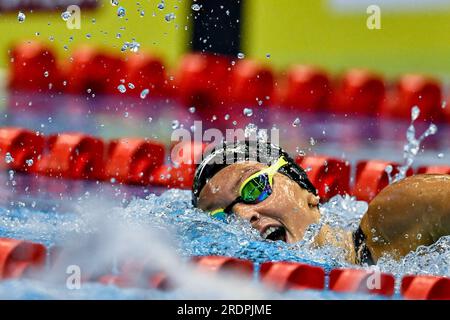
(313, 201)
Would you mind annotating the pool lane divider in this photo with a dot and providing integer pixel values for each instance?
(212, 82)
(20, 258)
(371, 178)
(362, 281)
(330, 176)
(142, 161)
(284, 275)
(425, 287)
(434, 169)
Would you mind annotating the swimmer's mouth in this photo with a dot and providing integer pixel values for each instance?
(275, 233)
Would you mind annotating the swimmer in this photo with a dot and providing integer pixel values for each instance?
(263, 185)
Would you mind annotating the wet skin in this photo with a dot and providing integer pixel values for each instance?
(392, 223)
(412, 212)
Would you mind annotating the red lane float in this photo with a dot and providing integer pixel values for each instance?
(224, 264)
(18, 257)
(145, 71)
(292, 276)
(415, 90)
(168, 176)
(330, 176)
(133, 160)
(251, 83)
(306, 88)
(359, 91)
(33, 67)
(73, 155)
(434, 169)
(371, 178)
(24, 148)
(201, 80)
(425, 288)
(91, 70)
(158, 281)
(359, 280)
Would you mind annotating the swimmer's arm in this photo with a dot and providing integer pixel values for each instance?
(408, 214)
(337, 238)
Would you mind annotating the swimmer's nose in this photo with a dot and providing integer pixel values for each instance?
(247, 213)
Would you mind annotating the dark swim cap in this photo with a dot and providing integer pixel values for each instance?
(226, 154)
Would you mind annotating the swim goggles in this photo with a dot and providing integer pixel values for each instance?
(254, 189)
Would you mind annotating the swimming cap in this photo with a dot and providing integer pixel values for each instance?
(226, 154)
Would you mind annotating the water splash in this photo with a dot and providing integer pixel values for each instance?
(428, 260)
(411, 148)
(66, 15)
(21, 17)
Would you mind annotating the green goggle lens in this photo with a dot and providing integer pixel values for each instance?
(257, 189)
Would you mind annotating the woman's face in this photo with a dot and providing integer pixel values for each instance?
(284, 215)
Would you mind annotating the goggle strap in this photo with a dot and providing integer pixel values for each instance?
(270, 171)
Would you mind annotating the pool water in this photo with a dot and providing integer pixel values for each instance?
(164, 230)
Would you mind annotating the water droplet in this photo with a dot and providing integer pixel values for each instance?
(175, 124)
(227, 117)
(312, 141)
(419, 236)
(114, 3)
(388, 169)
(29, 162)
(444, 104)
(144, 93)
(299, 151)
(196, 7)
(415, 112)
(46, 74)
(296, 122)
(131, 86)
(121, 12)
(248, 112)
(432, 129)
(142, 13)
(440, 155)
(192, 109)
(121, 88)
(125, 47)
(169, 17)
(268, 55)
(66, 15)
(21, 17)
(134, 46)
(240, 55)
(161, 5)
(8, 158)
